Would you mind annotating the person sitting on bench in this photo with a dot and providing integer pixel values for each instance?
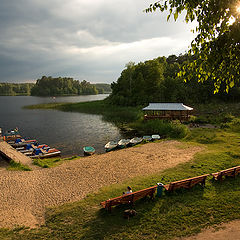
(129, 190)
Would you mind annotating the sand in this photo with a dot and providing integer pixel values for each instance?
(225, 231)
(24, 196)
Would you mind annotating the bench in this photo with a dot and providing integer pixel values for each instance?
(186, 183)
(129, 198)
(230, 172)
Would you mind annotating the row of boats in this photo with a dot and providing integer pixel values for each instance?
(123, 143)
(30, 148)
(33, 149)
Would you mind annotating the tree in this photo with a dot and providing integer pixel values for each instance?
(48, 86)
(217, 45)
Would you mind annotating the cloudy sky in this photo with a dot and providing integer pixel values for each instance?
(83, 39)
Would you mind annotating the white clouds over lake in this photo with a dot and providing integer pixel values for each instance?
(84, 39)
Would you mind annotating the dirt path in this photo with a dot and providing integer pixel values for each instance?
(25, 195)
(226, 231)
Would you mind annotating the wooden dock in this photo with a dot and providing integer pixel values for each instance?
(12, 154)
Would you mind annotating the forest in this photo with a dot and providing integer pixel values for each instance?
(14, 89)
(49, 86)
(158, 80)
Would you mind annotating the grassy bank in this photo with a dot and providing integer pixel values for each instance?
(15, 166)
(52, 162)
(109, 112)
(179, 214)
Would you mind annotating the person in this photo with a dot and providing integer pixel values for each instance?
(129, 190)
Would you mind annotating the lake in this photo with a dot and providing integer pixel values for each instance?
(67, 131)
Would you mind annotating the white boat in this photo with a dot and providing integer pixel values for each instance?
(147, 138)
(112, 145)
(155, 137)
(135, 141)
(123, 143)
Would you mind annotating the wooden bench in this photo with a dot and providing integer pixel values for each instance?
(186, 183)
(230, 172)
(128, 198)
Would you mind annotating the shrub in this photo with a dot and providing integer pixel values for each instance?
(234, 125)
(163, 128)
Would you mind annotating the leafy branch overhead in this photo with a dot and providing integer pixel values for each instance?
(217, 45)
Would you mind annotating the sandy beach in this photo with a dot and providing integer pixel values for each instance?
(25, 195)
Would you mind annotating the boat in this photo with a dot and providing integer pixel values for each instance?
(112, 145)
(19, 142)
(44, 153)
(11, 136)
(30, 147)
(123, 143)
(135, 141)
(147, 138)
(88, 150)
(155, 137)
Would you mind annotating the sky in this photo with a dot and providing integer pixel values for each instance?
(89, 40)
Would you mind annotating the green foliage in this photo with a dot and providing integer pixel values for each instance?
(157, 81)
(48, 86)
(13, 89)
(216, 113)
(163, 128)
(51, 162)
(233, 125)
(15, 166)
(216, 46)
(103, 88)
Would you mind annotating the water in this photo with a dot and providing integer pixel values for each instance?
(67, 131)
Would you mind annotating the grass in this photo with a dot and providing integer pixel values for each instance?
(182, 213)
(109, 112)
(15, 166)
(216, 113)
(165, 129)
(52, 162)
(179, 214)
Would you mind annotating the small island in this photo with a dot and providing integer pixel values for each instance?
(49, 86)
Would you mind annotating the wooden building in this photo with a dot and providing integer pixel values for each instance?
(169, 111)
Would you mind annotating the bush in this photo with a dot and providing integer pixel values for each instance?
(163, 128)
(234, 125)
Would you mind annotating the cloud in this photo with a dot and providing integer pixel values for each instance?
(90, 40)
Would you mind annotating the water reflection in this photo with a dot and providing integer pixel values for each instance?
(68, 131)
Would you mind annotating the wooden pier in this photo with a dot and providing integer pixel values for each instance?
(11, 153)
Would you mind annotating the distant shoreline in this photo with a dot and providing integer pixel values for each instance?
(63, 95)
